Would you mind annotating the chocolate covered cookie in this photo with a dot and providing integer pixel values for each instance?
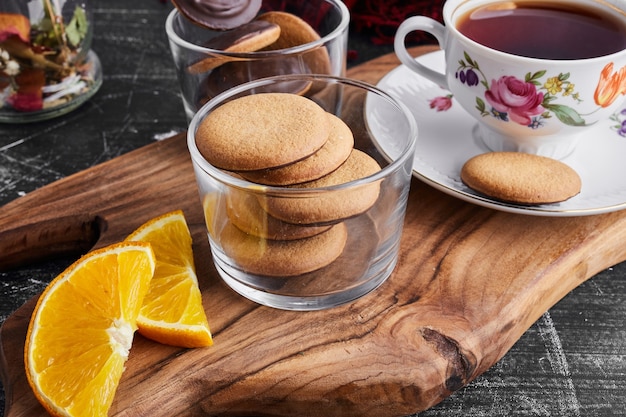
(246, 38)
(219, 14)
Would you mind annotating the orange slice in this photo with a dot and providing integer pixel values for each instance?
(82, 328)
(172, 312)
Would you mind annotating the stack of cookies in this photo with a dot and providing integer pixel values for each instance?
(291, 147)
(521, 178)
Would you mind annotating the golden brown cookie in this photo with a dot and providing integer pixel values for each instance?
(245, 212)
(283, 258)
(323, 162)
(246, 38)
(333, 205)
(521, 178)
(262, 131)
(295, 32)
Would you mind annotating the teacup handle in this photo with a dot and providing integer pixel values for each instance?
(425, 24)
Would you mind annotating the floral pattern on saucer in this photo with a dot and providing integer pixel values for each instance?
(620, 122)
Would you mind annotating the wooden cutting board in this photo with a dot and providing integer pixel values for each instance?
(470, 281)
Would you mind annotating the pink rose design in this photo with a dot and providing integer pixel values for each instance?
(519, 99)
(441, 103)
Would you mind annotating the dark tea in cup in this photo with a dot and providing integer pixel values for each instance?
(545, 30)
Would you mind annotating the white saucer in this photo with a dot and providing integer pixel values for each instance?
(445, 142)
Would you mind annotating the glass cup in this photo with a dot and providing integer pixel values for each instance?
(204, 72)
(371, 248)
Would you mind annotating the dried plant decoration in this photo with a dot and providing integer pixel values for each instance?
(42, 55)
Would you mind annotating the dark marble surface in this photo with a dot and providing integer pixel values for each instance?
(570, 363)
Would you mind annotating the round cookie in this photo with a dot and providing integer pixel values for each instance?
(283, 258)
(334, 153)
(245, 212)
(521, 178)
(246, 38)
(262, 131)
(295, 32)
(218, 14)
(330, 206)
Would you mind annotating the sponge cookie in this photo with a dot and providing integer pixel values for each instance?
(521, 178)
(283, 258)
(262, 131)
(323, 162)
(296, 32)
(245, 212)
(333, 205)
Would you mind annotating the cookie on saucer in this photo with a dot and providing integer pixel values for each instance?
(521, 178)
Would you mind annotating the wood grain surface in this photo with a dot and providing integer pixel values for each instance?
(470, 281)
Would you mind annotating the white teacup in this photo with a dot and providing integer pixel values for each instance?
(541, 104)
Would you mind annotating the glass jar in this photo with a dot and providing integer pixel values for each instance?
(46, 65)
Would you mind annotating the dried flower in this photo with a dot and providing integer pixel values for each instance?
(44, 54)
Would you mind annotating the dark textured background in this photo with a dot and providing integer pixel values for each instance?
(571, 363)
